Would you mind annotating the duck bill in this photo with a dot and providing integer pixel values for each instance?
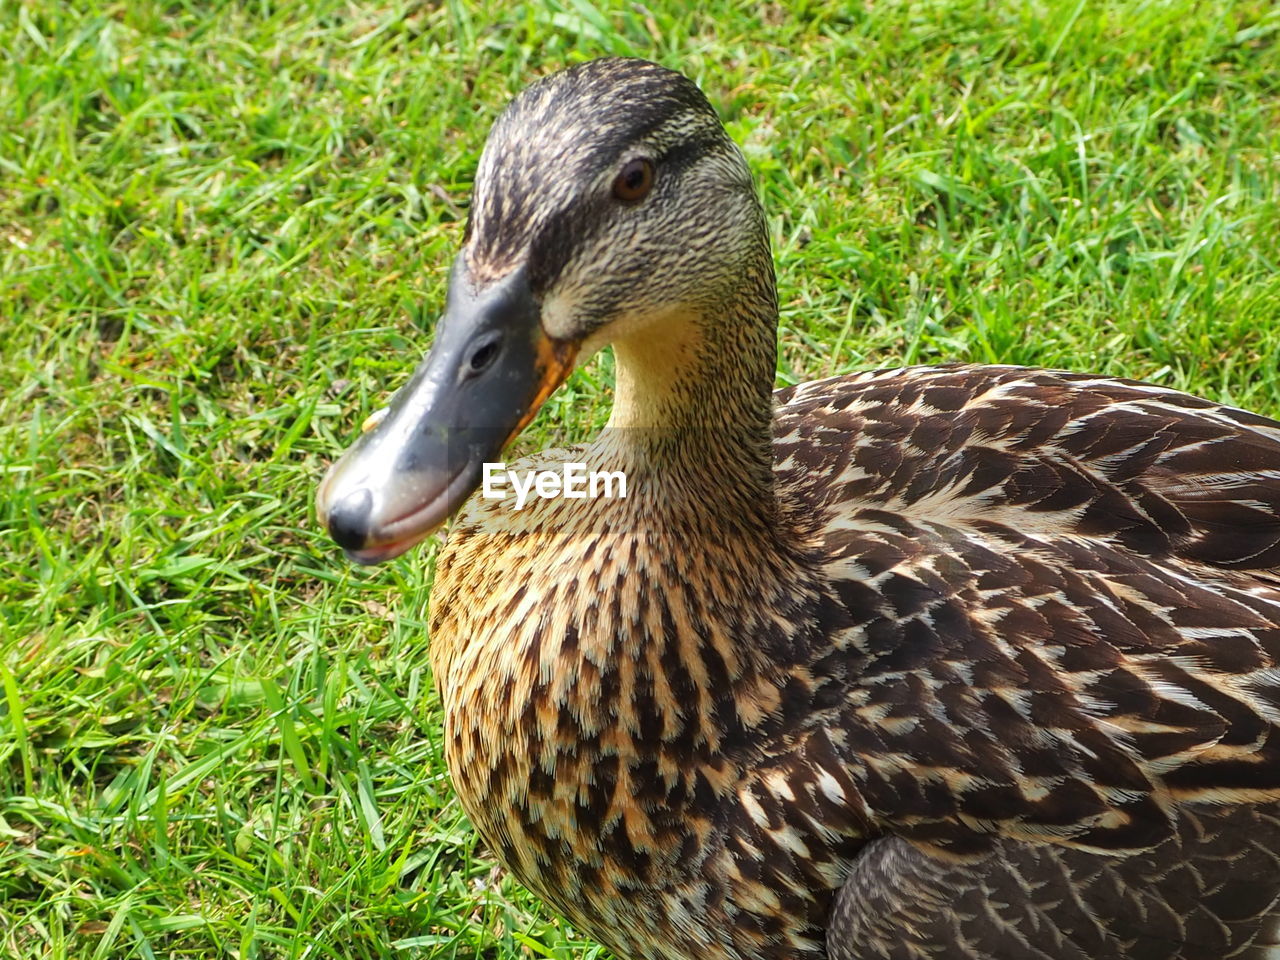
(490, 367)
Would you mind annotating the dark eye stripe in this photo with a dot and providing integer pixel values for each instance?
(561, 235)
(685, 152)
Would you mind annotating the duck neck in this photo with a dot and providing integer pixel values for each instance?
(693, 408)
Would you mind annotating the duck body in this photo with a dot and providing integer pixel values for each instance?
(940, 662)
(964, 693)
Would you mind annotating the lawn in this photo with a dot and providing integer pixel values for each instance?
(224, 234)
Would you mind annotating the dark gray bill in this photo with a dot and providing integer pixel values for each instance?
(489, 369)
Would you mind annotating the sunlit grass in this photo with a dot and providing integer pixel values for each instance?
(224, 232)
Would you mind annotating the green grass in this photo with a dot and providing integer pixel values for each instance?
(224, 231)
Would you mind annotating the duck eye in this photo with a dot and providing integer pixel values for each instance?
(634, 181)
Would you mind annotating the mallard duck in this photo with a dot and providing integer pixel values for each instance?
(952, 661)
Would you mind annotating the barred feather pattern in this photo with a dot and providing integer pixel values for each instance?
(999, 680)
(1202, 894)
(1070, 687)
(1068, 582)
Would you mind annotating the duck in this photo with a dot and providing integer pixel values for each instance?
(953, 661)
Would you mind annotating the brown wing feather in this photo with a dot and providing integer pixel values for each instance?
(1153, 470)
(1063, 614)
(1205, 894)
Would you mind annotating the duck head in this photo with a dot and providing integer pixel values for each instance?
(609, 206)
